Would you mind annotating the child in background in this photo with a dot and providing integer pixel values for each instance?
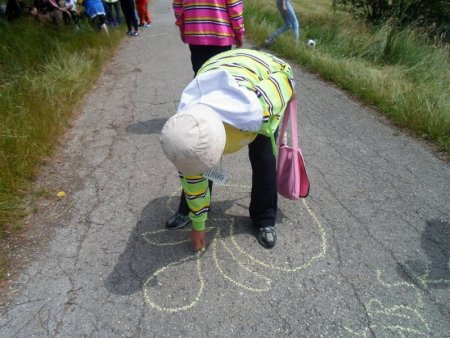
(111, 5)
(290, 22)
(209, 27)
(143, 12)
(71, 7)
(96, 12)
(129, 12)
(48, 11)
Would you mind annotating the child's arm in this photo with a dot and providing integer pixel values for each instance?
(236, 16)
(196, 191)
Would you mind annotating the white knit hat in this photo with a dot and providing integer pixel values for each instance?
(194, 139)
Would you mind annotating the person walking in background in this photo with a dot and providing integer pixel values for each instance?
(237, 99)
(290, 22)
(144, 13)
(129, 12)
(209, 27)
(113, 6)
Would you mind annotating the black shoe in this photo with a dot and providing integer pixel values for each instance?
(267, 236)
(177, 221)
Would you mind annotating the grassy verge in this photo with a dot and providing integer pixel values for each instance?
(44, 73)
(401, 73)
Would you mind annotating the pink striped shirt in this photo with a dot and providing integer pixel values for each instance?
(210, 22)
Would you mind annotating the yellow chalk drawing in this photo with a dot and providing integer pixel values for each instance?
(322, 253)
(155, 305)
(258, 275)
(263, 283)
(397, 319)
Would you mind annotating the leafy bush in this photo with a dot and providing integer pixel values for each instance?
(430, 15)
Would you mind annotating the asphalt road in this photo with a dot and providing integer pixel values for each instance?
(365, 255)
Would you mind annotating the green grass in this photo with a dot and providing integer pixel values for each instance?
(401, 73)
(44, 73)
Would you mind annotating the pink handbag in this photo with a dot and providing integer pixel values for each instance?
(292, 180)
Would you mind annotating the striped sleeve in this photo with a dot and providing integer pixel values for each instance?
(177, 6)
(275, 91)
(236, 15)
(198, 199)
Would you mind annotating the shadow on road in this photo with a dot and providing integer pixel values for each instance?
(436, 244)
(141, 259)
(153, 126)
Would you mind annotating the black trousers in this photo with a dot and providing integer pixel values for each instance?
(109, 7)
(201, 53)
(264, 197)
(129, 12)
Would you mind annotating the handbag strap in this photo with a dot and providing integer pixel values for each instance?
(290, 113)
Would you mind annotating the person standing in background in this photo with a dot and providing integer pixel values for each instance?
(71, 7)
(129, 12)
(209, 27)
(111, 5)
(290, 22)
(96, 12)
(144, 14)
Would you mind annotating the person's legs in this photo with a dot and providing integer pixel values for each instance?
(292, 19)
(133, 16)
(201, 53)
(144, 14)
(286, 26)
(264, 197)
(116, 6)
(102, 23)
(108, 12)
(129, 12)
(148, 16)
(126, 13)
(140, 7)
(75, 18)
(13, 10)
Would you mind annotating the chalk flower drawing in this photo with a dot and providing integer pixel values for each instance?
(396, 320)
(239, 257)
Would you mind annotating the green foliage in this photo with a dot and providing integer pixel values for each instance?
(431, 15)
(43, 75)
